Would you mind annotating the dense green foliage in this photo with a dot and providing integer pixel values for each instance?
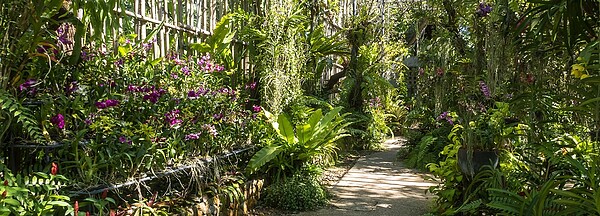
(80, 92)
(518, 78)
(311, 146)
(298, 193)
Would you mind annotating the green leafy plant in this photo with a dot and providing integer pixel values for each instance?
(449, 189)
(298, 193)
(584, 197)
(35, 194)
(313, 142)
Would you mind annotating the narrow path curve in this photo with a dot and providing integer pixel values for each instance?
(379, 185)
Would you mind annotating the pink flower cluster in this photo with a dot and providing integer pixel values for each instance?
(171, 118)
(195, 94)
(152, 93)
(28, 85)
(193, 136)
(58, 120)
(107, 103)
(207, 65)
(210, 129)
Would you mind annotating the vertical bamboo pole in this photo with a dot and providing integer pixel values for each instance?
(199, 17)
(163, 32)
(154, 14)
(213, 15)
(136, 20)
(142, 12)
(178, 21)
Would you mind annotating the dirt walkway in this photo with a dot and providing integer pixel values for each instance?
(378, 185)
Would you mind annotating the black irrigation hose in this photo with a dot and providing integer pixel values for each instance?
(159, 175)
(52, 145)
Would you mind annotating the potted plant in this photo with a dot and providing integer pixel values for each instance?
(482, 138)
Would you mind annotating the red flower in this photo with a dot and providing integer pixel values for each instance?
(4, 194)
(530, 78)
(151, 202)
(5, 182)
(440, 72)
(104, 193)
(87, 213)
(54, 169)
(76, 207)
(112, 213)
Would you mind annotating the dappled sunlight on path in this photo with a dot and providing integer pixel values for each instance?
(379, 185)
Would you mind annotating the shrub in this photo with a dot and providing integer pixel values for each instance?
(297, 193)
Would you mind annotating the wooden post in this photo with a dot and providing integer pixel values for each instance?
(142, 12)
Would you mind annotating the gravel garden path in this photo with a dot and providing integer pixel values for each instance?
(379, 185)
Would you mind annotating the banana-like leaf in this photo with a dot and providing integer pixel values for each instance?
(304, 132)
(315, 118)
(285, 129)
(263, 156)
(326, 119)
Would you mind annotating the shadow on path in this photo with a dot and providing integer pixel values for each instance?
(379, 185)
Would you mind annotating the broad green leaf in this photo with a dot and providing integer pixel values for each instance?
(285, 129)
(314, 118)
(154, 32)
(12, 202)
(327, 119)
(263, 156)
(58, 203)
(304, 133)
(123, 51)
(201, 47)
(156, 61)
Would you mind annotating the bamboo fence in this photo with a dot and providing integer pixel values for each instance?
(191, 21)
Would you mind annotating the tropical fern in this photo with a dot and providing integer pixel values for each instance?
(424, 145)
(537, 203)
(470, 207)
(11, 111)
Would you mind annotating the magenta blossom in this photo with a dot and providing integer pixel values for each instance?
(446, 116)
(107, 103)
(218, 116)
(27, 84)
(191, 94)
(124, 139)
(154, 95)
(484, 89)
(171, 117)
(210, 129)
(62, 33)
(193, 136)
(132, 88)
(119, 63)
(375, 102)
(256, 108)
(186, 70)
(58, 120)
(71, 87)
(251, 85)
